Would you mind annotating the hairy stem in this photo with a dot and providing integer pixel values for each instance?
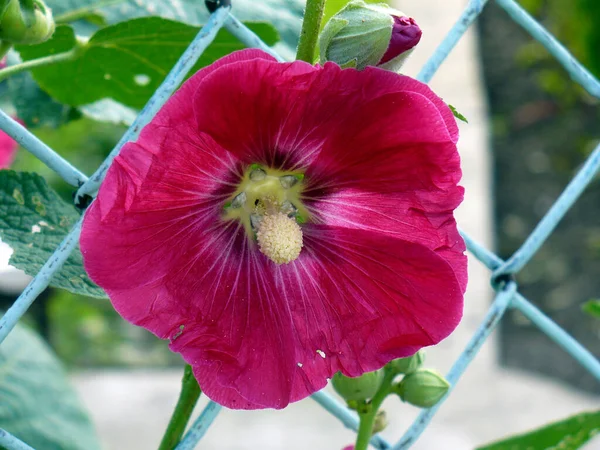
(39, 62)
(367, 418)
(309, 34)
(188, 397)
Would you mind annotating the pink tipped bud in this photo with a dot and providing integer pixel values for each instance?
(406, 34)
(364, 34)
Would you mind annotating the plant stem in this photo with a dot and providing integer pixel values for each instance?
(310, 30)
(39, 62)
(367, 419)
(188, 397)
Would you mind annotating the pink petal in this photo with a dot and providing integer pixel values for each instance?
(372, 128)
(8, 149)
(381, 273)
(260, 335)
(363, 299)
(397, 175)
(299, 106)
(152, 213)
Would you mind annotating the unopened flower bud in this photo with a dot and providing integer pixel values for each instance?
(28, 27)
(381, 421)
(407, 365)
(362, 34)
(422, 388)
(359, 388)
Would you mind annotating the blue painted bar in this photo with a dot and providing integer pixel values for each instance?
(37, 148)
(175, 77)
(577, 71)
(558, 210)
(491, 320)
(348, 418)
(247, 37)
(470, 13)
(558, 335)
(9, 442)
(39, 282)
(200, 427)
(488, 258)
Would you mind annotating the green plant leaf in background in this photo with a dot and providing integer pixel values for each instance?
(458, 115)
(107, 110)
(33, 221)
(38, 404)
(83, 142)
(32, 105)
(592, 308)
(568, 434)
(285, 15)
(126, 62)
(36, 108)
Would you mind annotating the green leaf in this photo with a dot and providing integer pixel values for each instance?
(458, 115)
(38, 404)
(285, 15)
(592, 307)
(33, 221)
(108, 110)
(568, 434)
(33, 106)
(126, 62)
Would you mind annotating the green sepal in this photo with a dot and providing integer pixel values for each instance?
(28, 8)
(407, 365)
(458, 115)
(359, 388)
(422, 388)
(352, 64)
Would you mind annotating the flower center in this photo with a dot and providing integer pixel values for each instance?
(279, 238)
(267, 203)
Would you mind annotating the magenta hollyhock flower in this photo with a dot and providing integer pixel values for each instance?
(281, 222)
(8, 149)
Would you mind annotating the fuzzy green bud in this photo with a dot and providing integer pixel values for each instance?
(359, 388)
(20, 25)
(422, 388)
(407, 365)
(362, 35)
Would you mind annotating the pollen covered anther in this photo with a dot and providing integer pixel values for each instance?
(279, 238)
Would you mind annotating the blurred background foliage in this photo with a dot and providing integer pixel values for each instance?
(575, 24)
(543, 127)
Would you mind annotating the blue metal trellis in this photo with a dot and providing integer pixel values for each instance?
(507, 294)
